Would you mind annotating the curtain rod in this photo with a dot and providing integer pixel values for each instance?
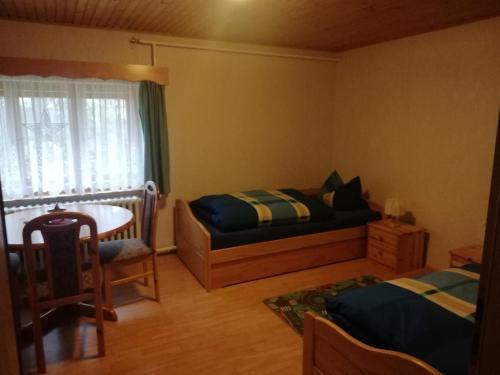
(154, 44)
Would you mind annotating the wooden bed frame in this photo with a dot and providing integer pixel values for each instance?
(223, 267)
(329, 350)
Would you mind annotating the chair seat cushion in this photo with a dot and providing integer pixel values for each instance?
(120, 250)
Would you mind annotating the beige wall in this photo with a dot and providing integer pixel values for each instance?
(417, 118)
(235, 121)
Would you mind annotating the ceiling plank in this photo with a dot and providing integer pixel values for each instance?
(60, 7)
(147, 13)
(29, 10)
(81, 6)
(69, 10)
(108, 12)
(5, 11)
(116, 13)
(131, 13)
(100, 8)
(50, 10)
(89, 12)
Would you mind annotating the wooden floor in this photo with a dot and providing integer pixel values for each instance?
(227, 331)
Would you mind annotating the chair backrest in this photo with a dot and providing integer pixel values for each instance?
(150, 214)
(61, 253)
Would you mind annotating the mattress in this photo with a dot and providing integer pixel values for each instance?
(224, 239)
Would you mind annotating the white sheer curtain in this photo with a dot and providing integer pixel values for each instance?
(64, 136)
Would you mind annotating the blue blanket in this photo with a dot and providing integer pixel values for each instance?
(430, 317)
(256, 208)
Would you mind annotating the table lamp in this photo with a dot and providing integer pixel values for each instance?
(392, 209)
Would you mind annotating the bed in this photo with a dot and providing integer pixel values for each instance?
(217, 259)
(420, 325)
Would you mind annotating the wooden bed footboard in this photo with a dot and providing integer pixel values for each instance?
(329, 350)
(223, 267)
(192, 242)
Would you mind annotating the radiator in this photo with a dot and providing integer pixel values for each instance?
(132, 203)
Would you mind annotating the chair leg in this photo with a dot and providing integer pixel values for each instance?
(99, 327)
(99, 315)
(155, 278)
(107, 286)
(38, 340)
(144, 270)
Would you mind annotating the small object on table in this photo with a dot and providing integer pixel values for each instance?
(56, 209)
(400, 247)
(465, 255)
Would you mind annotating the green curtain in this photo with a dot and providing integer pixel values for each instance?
(154, 124)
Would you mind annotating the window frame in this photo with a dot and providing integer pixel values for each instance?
(19, 66)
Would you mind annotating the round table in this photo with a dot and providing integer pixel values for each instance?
(109, 219)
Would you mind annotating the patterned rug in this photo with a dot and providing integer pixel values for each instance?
(291, 307)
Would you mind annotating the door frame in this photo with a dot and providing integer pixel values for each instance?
(485, 355)
(10, 358)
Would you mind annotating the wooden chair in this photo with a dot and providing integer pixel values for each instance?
(65, 280)
(134, 250)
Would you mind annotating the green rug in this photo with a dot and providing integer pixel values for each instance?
(291, 307)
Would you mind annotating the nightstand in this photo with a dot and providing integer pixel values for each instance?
(464, 255)
(398, 246)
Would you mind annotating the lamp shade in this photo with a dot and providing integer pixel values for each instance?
(392, 207)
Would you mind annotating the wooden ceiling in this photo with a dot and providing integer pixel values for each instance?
(332, 25)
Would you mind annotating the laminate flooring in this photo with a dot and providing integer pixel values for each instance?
(226, 331)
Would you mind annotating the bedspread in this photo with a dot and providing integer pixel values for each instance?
(256, 208)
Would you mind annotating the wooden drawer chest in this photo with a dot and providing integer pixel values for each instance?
(398, 246)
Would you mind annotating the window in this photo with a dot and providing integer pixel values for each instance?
(63, 136)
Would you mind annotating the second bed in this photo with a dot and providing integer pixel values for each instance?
(219, 258)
